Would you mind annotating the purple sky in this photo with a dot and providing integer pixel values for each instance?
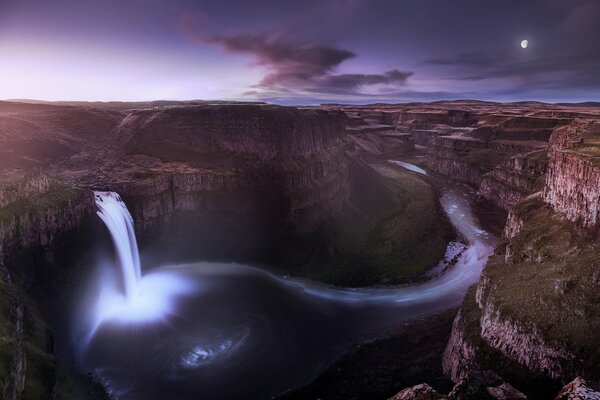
(300, 52)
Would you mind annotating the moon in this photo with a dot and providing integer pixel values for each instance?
(524, 43)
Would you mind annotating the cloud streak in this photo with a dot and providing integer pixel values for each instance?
(298, 65)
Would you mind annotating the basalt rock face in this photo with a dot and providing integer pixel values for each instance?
(573, 180)
(34, 229)
(258, 133)
(546, 268)
(29, 369)
(460, 355)
(278, 174)
(536, 305)
(510, 182)
(467, 159)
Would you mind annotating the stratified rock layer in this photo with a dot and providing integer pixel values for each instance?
(513, 180)
(573, 180)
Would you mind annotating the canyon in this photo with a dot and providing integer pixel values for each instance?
(311, 192)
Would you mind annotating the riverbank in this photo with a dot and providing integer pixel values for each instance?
(409, 237)
(379, 369)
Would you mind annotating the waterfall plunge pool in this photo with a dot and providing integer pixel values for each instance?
(230, 331)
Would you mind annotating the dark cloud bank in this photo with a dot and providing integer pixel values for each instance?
(299, 65)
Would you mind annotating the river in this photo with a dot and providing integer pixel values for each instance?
(230, 331)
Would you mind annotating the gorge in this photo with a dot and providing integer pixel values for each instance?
(273, 239)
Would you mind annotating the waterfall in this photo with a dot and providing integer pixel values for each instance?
(115, 215)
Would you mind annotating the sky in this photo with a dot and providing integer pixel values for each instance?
(300, 52)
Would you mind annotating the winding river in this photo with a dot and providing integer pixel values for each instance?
(231, 331)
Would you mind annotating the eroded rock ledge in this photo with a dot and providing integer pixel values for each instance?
(537, 305)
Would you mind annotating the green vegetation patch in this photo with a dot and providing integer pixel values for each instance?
(58, 196)
(394, 242)
(553, 284)
(488, 358)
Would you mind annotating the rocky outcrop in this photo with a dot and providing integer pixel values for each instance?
(520, 343)
(513, 225)
(41, 220)
(573, 180)
(573, 186)
(467, 159)
(568, 136)
(510, 182)
(519, 319)
(456, 157)
(22, 186)
(535, 128)
(236, 134)
(476, 385)
(415, 119)
(579, 389)
(460, 355)
(484, 385)
(418, 392)
(28, 365)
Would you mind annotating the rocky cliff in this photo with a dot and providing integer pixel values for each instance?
(545, 268)
(535, 309)
(33, 228)
(28, 367)
(573, 179)
(466, 159)
(311, 189)
(265, 183)
(511, 181)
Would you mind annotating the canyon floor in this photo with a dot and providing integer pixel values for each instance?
(313, 192)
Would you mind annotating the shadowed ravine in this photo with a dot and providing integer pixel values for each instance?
(230, 331)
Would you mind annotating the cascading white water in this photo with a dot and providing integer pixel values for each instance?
(115, 215)
(121, 293)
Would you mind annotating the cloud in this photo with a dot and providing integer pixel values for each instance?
(352, 83)
(297, 64)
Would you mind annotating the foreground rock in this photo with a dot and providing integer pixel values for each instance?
(418, 392)
(477, 385)
(484, 385)
(29, 369)
(578, 389)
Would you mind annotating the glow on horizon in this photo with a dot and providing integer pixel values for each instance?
(48, 71)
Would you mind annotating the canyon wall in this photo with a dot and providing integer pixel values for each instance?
(513, 180)
(536, 304)
(467, 159)
(33, 229)
(573, 179)
(240, 180)
(299, 185)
